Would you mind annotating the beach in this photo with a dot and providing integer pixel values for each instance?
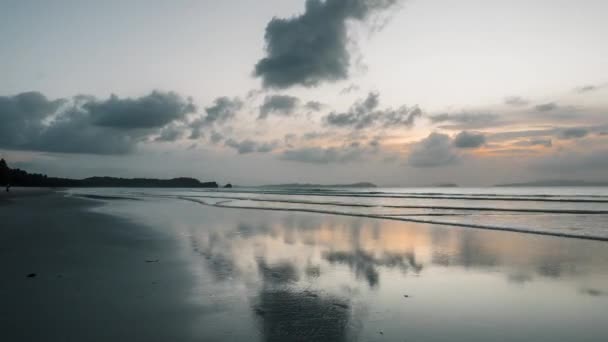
(149, 266)
(70, 274)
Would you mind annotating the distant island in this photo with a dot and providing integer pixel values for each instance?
(555, 183)
(17, 177)
(444, 185)
(306, 185)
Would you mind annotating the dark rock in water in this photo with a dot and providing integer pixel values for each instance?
(31, 275)
(228, 186)
(406, 296)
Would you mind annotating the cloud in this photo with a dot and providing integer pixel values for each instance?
(433, 151)
(222, 110)
(315, 135)
(318, 155)
(546, 107)
(314, 106)
(216, 137)
(535, 142)
(249, 146)
(573, 133)
(365, 114)
(85, 124)
(516, 101)
(568, 161)
(465, 120)
(22, 116)
(284, 105)
(466, 139)
(313, 47)
(586, 89)
(590, 87)
(350, 89)
(151, 111)
(170, 133)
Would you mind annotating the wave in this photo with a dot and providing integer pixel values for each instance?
(404, 219)
(480, 197)
(430, 207)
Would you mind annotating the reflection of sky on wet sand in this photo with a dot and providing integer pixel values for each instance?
(294, 276)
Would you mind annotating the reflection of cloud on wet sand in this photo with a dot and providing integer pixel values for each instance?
(295, 250)
(301, 316)
(279, 273)
(364, 264)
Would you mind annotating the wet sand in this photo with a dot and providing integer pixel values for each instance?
(69, 274)
(159, 269)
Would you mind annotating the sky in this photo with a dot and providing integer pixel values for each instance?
(394, 92)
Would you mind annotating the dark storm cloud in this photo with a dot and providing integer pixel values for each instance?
(466, 139)
(573, 133)
(222, 110)
(516, 101)
(433, 151)
(284, 105)
(546, 107)
(250, 146)
(150, 111)
(465, 120)
(318, 155)
(313, 47)
(73, 132)
(365, 114)
(21, 118)
(85, 124)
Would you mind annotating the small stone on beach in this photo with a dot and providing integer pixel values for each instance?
(260, 311)
(150, 261)
(31, 275)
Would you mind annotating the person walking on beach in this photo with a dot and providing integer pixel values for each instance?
(4, 174)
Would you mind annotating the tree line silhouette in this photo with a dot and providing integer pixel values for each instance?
(18, 177)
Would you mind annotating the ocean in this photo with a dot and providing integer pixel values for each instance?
(580, 212)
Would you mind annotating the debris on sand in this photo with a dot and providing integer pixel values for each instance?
(31, 275)
(340, 305)
(150, 261)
